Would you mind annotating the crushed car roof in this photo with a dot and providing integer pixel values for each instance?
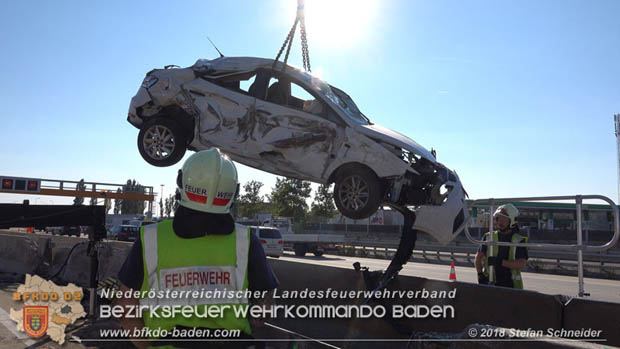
(239, 63)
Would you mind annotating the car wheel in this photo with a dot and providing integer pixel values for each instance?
(318, 253)
(357, 192)
(161, 142)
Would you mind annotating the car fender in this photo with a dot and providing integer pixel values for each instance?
(389, 136)
(362, 149)
(169, 85)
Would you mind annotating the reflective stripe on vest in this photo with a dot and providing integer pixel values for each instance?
(515, 273)
(149, 246)
(222, 278)
(494, 251)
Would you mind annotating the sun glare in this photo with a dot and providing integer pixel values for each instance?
(338, 23)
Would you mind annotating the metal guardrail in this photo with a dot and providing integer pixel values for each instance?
(579, 247)
(429, 250)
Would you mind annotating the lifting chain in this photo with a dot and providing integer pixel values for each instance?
(305, 53)
(288, 42)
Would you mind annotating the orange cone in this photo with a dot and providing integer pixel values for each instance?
(452, 272)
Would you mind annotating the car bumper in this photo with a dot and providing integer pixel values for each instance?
(444, 222)
(273, 252)
(140, 99)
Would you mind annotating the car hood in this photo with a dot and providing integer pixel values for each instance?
(392, 137)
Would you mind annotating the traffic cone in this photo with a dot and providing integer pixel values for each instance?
(452, 272)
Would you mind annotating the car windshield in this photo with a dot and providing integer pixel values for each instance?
(270, 234)
(348, 106)
(338, 97)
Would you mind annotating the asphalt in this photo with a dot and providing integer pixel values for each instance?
(599, 289)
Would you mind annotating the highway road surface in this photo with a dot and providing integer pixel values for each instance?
(599, 289)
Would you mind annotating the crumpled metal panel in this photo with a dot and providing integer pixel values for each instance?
(396, 138)
(370, 153)
(438, 220)
(283, 140)
(169, 85)
(265, 135)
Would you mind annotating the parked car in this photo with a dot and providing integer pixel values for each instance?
(54, 230)
(128, 233)
(112, 232)
(140, 223)
(289, 122)
(271, 239)
(72, 230)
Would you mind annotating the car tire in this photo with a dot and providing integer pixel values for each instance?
(318, 253)
(300, 250)
(170, 142)
(357, 191)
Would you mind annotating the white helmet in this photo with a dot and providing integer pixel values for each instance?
(509, 211)
(208, 182)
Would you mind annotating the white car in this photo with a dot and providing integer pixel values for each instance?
(289, 122)
(271, 239)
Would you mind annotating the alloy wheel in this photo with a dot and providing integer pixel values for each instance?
(159, 142)
(354, 193)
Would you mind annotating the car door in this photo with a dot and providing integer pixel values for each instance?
(226, 112)
(290, 140)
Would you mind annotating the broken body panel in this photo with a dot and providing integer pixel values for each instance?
(254, 128)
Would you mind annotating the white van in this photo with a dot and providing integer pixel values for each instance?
(271, 239)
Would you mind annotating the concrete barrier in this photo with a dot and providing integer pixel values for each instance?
(485, 305)
(22, 255)
(77, 270)
(587, 314)
(472, 304)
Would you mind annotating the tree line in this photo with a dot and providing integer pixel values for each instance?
(288, 198)
(120, 206)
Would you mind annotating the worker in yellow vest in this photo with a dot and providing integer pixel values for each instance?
(202, 253)
(507, 261)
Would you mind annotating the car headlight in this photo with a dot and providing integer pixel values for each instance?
(149, 81)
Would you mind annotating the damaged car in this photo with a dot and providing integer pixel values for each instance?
(288, 122)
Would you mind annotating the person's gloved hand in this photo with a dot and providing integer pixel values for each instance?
(483, 279)
(495, 261)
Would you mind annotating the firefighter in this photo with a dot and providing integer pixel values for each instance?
(200, 249)
(506, 260)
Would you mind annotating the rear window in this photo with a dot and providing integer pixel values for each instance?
(270, 234)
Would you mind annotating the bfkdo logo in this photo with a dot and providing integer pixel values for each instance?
(35, 319)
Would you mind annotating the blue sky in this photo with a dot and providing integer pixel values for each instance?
(517, 96)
